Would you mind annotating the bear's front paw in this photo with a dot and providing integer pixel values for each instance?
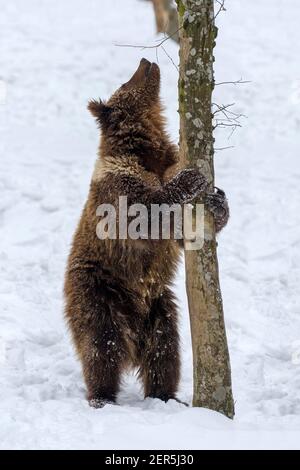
(190, 183)
(218, 205)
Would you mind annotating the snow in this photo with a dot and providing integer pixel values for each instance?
(55, 56)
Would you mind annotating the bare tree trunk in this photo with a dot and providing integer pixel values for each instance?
(212, 375)
(160, 15)
(166, 18)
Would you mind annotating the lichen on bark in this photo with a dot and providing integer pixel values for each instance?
(211, 363)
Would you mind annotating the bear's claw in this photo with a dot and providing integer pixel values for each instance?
(218, 205)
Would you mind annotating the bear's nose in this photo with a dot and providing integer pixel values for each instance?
(145, 67)
(145, 62)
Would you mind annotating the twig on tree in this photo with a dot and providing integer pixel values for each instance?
(237, 82)
(229, 115)
(224, 148)
(220, 123)
(154, 46)
(232, 132)
(230, 119)
(168, 55)
(222, 8)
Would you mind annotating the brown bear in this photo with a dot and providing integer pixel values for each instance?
(119, 303)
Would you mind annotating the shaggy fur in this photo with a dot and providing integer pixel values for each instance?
(119, 305)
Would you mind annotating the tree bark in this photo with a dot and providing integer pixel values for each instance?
(211, 363)
(166, 18)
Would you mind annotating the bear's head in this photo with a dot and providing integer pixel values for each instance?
(132, 102)
(132, 121)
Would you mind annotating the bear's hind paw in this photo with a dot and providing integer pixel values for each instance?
(100, 402)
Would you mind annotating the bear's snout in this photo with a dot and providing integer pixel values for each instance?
(141, 74)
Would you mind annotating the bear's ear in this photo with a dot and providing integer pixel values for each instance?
(100, 111)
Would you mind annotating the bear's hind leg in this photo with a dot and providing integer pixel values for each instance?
(98, 340)
(102, 360)
(160, 362)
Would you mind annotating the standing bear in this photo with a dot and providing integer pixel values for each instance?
(119, 303)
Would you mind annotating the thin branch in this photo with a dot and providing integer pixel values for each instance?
(168, 55)
(224, 109)
(231, 133)
(155, 46)
(222, 124)
(229, 115)
(220, 149)
(222, 8)
(237, 82)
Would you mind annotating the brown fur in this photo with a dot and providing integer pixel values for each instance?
(119, 305)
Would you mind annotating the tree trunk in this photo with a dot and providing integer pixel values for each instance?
(211, 363)
(166, 18)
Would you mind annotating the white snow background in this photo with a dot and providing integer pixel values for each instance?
(54, 57)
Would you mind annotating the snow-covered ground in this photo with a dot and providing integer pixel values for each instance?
(54, 56)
